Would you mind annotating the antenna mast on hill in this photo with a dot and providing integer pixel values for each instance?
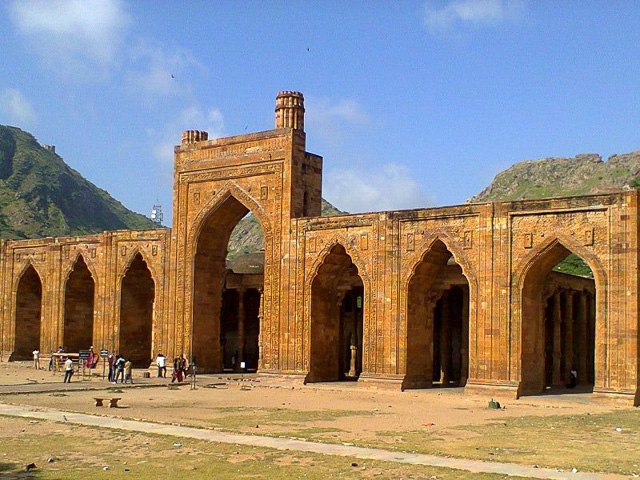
(156, 214)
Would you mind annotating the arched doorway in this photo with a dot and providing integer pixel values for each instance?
(337, 306)
(78, 308)
(558, 324)
(28, 315)
(227, 287)
(437, 321)
(136, 313)
(240, 323)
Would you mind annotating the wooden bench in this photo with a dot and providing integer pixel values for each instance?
(113, 402)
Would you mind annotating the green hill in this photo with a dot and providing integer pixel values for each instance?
(42, 196)
(563, 177)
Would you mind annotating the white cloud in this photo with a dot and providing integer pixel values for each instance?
(158, 71)
(15, 107)
(190, 118)
(330, 120)
(475, 12)
(389, 187)
(72, 36)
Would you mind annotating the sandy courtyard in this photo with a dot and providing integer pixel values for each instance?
(265, 405)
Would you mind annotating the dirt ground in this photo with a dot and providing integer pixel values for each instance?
(570, 431)
(275, 406)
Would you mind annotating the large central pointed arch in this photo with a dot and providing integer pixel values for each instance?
(208, 248)
(529, 308)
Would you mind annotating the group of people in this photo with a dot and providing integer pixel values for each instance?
(119, 368)
(180, 367)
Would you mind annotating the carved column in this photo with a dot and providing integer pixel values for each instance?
(353, 348)
(464, 347)
(241, 329)
(591, 337)
(341, 298)
(568, 335)
(582, 332)
(445, 340)
(557, 339)
(260, 327)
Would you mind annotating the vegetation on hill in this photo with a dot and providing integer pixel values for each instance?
(563, 177)
(42, 196)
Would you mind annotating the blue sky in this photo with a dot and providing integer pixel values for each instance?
(410, 103)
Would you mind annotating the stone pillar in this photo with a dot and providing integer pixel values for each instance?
(568, 335)
(341, 298)
(591, 338)
(464, 348)
(260, 327)
(445, 340)
(582, 331)
(557, 339)
(241, 329)
(354, 338)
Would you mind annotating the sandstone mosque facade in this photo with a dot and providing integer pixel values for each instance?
(462, 295)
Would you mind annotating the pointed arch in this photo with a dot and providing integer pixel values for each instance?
(207, 249)
(28, 313)
(23, 268)
(338, 323)
(338, 239)
(135, 253)
(524, 266)
(452, 246)
(229, 189)
(438, 312)
(78, 307)
(137, 300)
(70, 264)
(539, 325)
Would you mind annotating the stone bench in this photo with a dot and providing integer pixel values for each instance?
(113, 402)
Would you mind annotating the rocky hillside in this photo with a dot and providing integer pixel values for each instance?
(562, 177)
(42, 196)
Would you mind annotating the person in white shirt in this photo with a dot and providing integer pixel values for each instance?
(161, 361)
(68, 370)
(36, 359)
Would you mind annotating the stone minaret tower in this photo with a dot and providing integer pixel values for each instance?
(290, 110)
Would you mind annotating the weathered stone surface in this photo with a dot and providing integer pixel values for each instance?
(459, 295)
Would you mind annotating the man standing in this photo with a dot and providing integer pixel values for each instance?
(36, 359)
(68, 370)
(161, 361)
(111, 361)
(119, 369)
